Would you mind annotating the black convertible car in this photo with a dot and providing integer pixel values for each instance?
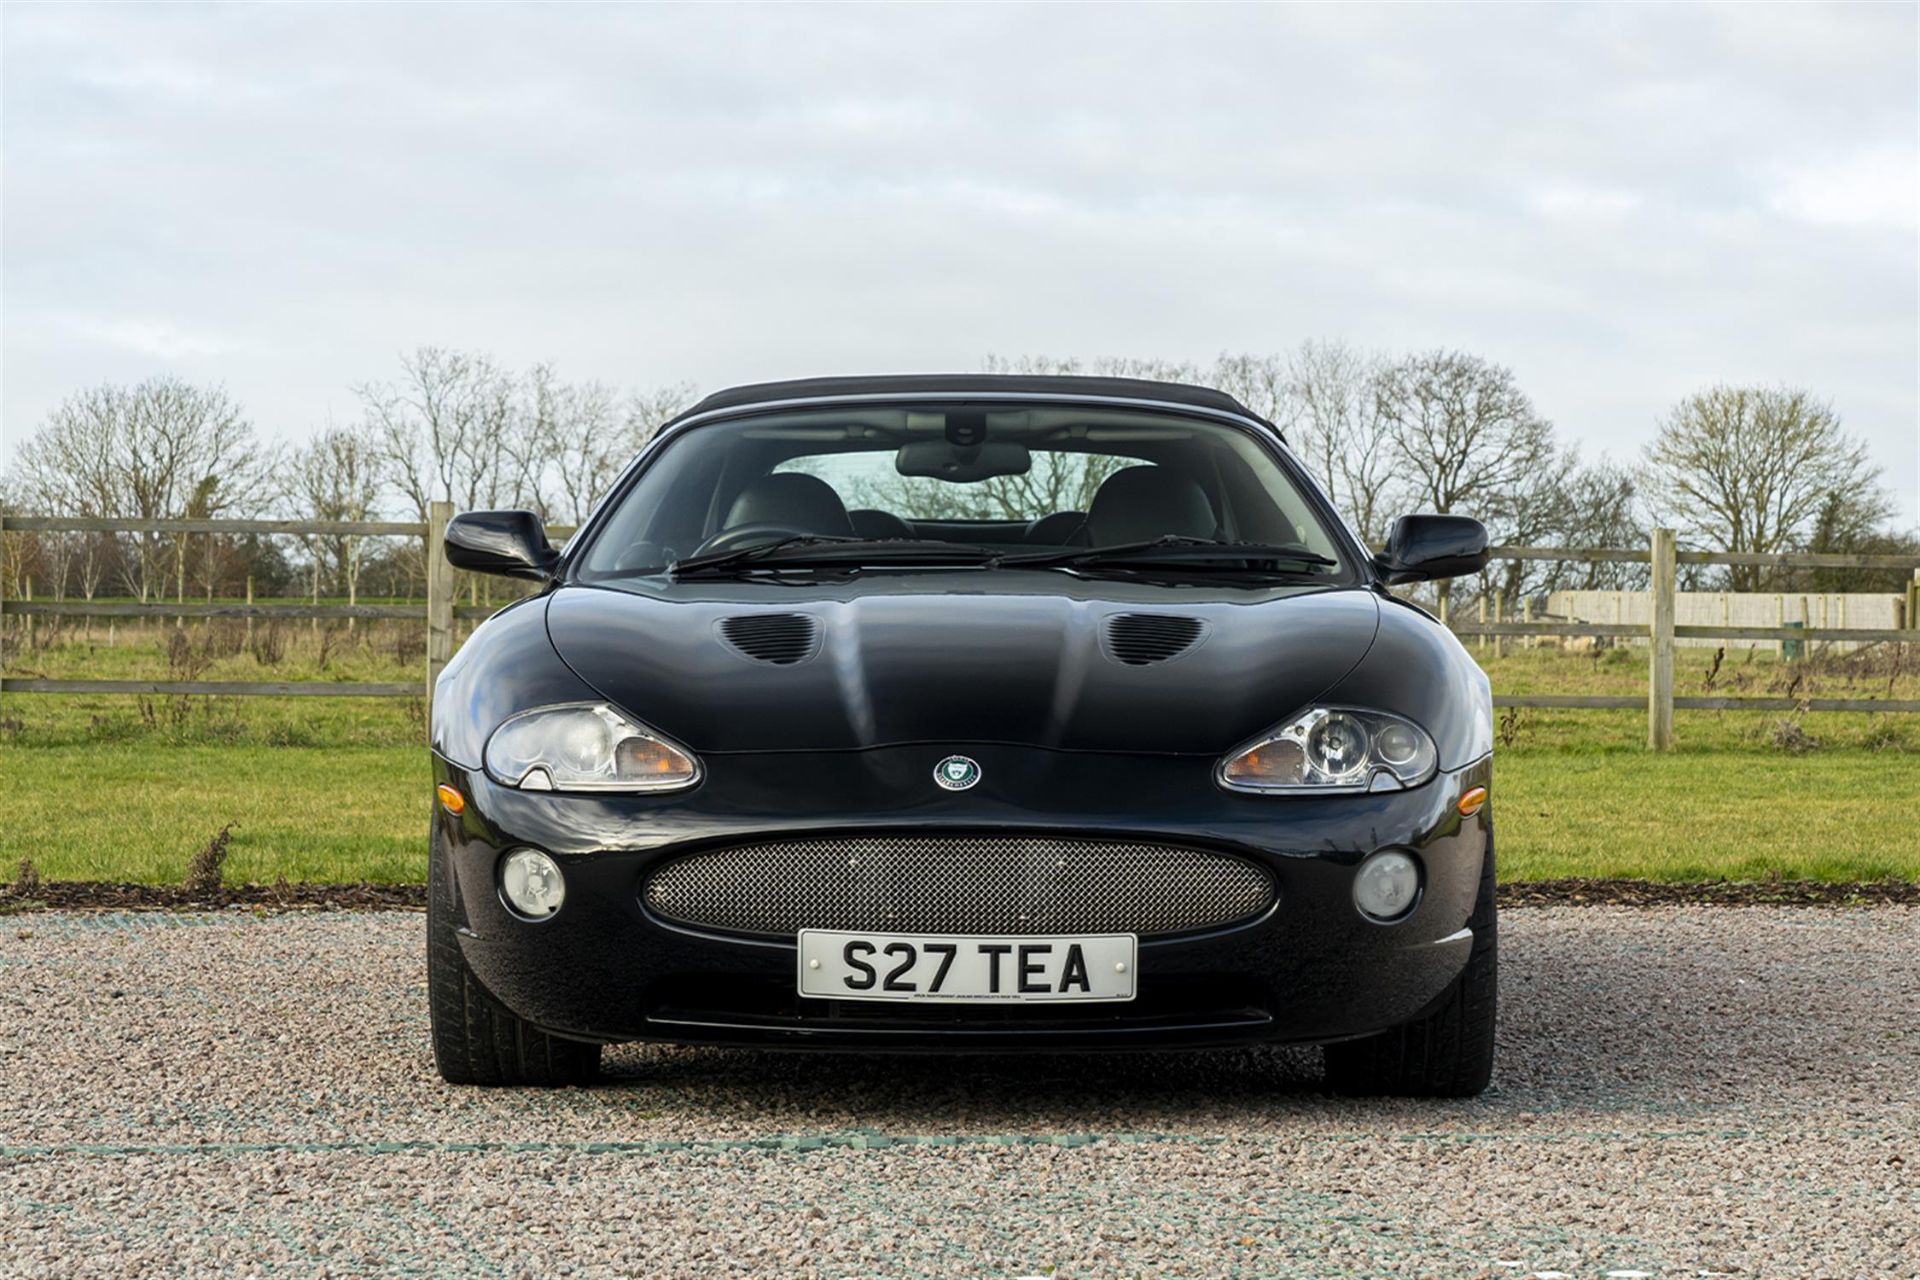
(954, 713)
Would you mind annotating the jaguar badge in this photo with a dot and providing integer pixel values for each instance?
(957, 773)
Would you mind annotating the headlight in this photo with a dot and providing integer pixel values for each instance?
(586, 746)
(1331, 750)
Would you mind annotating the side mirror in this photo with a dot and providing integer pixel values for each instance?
(512, 544)
(1423, 548)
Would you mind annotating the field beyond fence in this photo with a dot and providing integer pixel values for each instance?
(440, 613)
(131, 733)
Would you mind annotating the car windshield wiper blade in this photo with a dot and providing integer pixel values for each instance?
(826, 551)
(1195, 553)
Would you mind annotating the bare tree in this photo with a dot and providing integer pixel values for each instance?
(338, 475)
(1564, 503)
(579, 430)
(443, 429)
(1855, 524)
(1601, 509)
(1467, 438)
(1263, 383)
(1155, 370)
(1750, 468)
(648, 411)
(156, 451)
(1340, 431)
(1463, 430)
(590, 436)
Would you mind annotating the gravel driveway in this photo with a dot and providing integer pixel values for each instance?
(1681, 1091)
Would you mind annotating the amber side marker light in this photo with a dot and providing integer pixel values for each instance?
(1470, 801)
(453, 802)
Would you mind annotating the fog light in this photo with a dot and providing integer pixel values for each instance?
(532, 884)
(1386, 885)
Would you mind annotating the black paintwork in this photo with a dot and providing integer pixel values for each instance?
(1422, 548)
(1009, 666)
(510, 543)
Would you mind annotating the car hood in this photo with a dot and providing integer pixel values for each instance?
(1032, 658)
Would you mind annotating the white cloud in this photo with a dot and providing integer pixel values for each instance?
(1876, 187)
(154, 339)
(1578, 202)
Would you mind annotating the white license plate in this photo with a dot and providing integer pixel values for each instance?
(914, 966)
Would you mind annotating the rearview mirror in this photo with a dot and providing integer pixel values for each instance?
(963, 463)
(1423, 548)
(512, 544)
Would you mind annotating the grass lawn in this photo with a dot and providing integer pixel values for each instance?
(138, 813)
(128, 812)
(1732, 815)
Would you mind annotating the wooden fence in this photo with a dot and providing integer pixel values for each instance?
(441, 610)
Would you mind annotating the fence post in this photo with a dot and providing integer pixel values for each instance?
(1499, 616)
(439, 593)
(1660, 643)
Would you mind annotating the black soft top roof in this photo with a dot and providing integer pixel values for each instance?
(1177, 393)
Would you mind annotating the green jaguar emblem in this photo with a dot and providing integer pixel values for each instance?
(957, 773)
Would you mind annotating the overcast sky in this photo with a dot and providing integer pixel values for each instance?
(1622, 204)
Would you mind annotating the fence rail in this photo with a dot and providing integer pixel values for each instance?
(440, 612)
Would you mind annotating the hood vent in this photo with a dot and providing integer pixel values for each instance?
(1137, 639)
(779, 638)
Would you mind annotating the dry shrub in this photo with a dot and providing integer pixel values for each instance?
(1885, 735)
(1788, 736)
(26, 879)
(225, 638)
(187, 660)
(270, 644)
(409, 645)
(203, 869)
(1513, 726)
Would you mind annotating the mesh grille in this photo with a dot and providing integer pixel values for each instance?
(1140, 638)
(780, 638)
(958, 884)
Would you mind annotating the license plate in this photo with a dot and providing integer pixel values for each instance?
(939, 967)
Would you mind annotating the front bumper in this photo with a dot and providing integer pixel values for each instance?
(1310, 969)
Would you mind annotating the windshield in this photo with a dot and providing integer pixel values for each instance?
(954, 485)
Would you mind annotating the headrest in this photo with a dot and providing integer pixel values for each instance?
(1056, 530)
(1139, 504)
(792, 500)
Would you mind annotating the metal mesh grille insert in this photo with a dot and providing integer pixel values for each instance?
(982, 884)
(1141, 638)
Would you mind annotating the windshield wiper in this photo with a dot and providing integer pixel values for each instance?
(1184, 552)
(827, 551)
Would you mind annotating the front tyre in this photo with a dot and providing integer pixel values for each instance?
(1449, 1052)
(475, 1039)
